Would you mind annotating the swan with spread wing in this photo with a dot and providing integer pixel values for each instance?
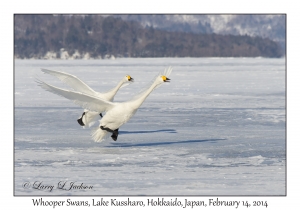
(88, 117)
(117, 114)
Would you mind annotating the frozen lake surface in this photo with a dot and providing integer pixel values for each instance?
(217, 129)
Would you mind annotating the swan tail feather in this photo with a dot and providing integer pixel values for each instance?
(99, 135)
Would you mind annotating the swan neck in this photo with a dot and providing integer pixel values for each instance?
(138, 102)
(114, 91)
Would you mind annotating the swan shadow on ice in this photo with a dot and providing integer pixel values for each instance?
(155, 131)
(163, 143)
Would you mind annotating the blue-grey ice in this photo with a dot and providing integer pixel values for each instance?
(217, 129)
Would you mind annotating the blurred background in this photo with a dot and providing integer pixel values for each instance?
(113, 36)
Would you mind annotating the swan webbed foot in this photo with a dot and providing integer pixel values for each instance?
(80, 122)
(101, 115)
(114, 137)
(115, 134)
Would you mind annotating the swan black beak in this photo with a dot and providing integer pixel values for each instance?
(131, 79)
(167, 80)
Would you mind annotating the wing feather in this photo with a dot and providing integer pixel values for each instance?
(72, 81)
(85, 101)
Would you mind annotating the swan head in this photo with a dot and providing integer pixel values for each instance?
(161, 79)
(165, 79)
(165, 74)
(128, 78)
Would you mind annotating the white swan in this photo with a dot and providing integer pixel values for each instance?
(88, 118)
(117, 114)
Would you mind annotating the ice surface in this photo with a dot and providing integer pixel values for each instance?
(218, 128)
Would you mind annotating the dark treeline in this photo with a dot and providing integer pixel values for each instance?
(35, 35)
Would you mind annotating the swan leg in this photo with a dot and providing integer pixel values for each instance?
(106, 129)
(80, 120)
(115, 133)
(101, 115)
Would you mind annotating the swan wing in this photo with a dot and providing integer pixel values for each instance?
(85, 101)
(72, 81)
(167, 72)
